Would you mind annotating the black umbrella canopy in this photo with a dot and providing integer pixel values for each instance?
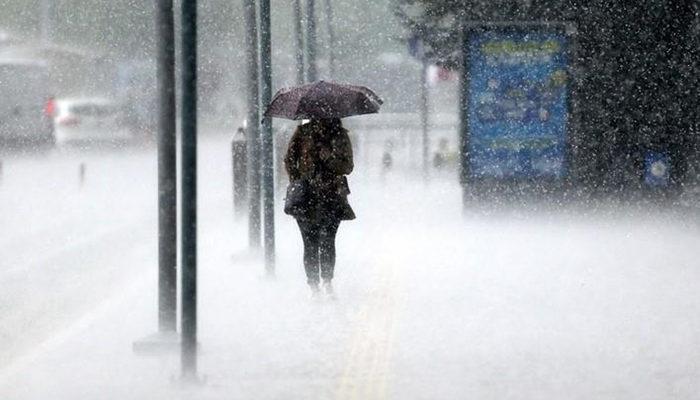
(323, 100)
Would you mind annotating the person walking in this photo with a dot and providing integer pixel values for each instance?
(318, 159)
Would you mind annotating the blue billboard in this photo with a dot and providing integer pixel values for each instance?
(518, 105)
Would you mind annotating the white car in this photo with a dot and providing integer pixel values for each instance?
(90, 120)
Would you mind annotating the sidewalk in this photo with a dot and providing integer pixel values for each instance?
(431, 305)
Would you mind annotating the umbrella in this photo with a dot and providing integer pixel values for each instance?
(323, 100)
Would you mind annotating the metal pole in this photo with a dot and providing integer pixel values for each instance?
(268, 183)
(46, 21)
(424, 117)
(253, 130)
(240, 184)
(167, 173)
(464, 116)
(81, 174)
(311, 71)
(299, 41)
(189, 189)
(331, 39)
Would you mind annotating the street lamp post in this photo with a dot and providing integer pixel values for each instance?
(299, 41)
(311, 71)
(167, 173)
(268, 187)
(424, 116)
(46, 21)
(189, 189)
(464, 115)
(166, 338)
(331, 38)
(417, 49)
(253, 127)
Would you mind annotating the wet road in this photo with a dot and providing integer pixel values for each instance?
(431, 304)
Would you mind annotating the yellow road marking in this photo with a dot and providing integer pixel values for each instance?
(367, 369)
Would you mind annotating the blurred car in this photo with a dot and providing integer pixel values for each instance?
(90, 120)
(24, 85)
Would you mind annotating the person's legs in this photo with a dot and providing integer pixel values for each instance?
(327, 235)
(310, 236)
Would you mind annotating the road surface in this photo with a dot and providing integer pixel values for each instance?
(432, 304)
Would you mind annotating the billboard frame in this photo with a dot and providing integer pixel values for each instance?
(473, 185)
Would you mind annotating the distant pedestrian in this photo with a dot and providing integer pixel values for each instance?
(318, 159)
(445, 158)
(440, 157)
(387, 158)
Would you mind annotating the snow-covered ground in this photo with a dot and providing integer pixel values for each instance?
(432, 304)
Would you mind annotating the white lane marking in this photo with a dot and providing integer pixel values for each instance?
(62, 336)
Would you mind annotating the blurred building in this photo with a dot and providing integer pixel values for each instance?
(72, 70)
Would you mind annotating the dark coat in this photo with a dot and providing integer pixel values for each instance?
(324, 159)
